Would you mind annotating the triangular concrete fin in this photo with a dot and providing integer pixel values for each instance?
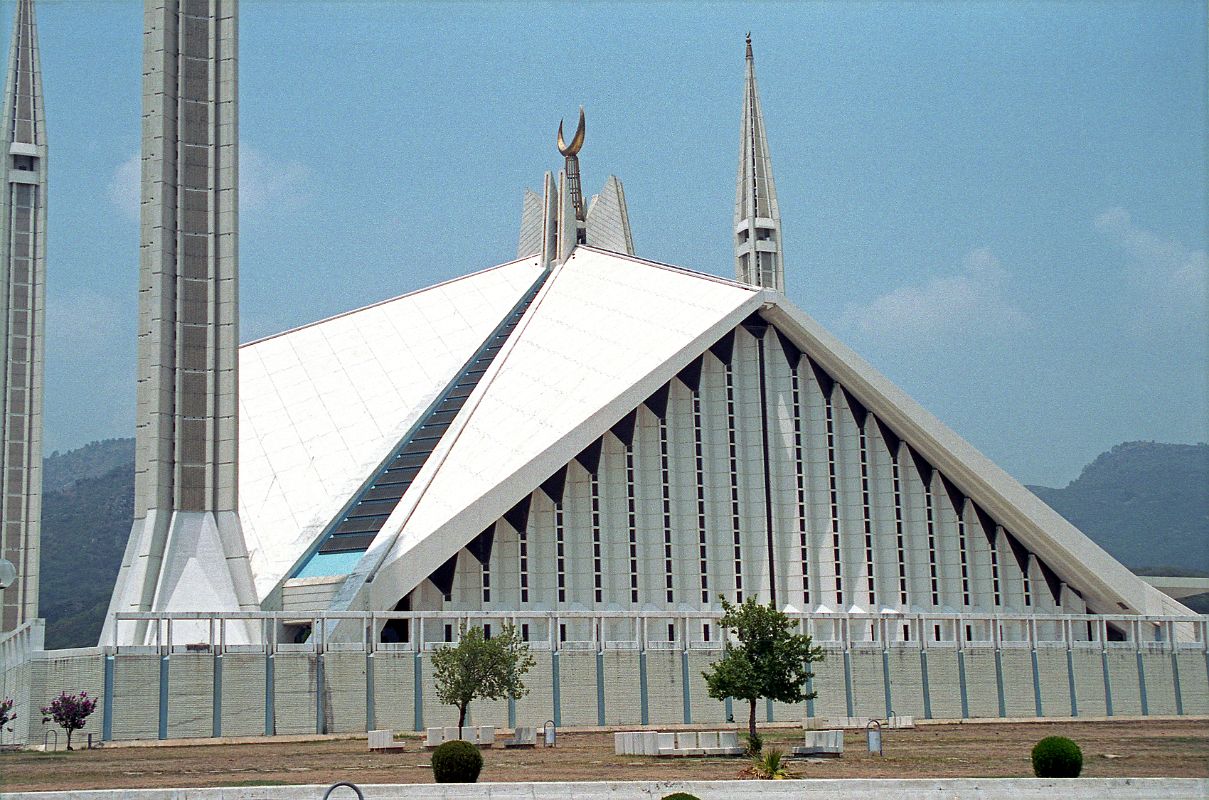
(518, 515)
(442, 576)
(589, 457)
(859, 413)
(792, 354)
(555, 484)
(690, 376)
(608, 221)
(988, 524)
(724, 348)
(624, 429)
(1052, 581)
(480, 546)
(532, 219)
(889, 437)
(657, 402)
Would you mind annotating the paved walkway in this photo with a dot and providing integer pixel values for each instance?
(851, 789)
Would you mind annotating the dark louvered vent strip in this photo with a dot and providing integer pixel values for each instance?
(356, 529)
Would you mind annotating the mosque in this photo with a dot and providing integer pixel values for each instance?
(592, 446)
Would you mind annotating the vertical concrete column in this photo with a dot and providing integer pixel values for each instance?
(556, 698)
(22, 318)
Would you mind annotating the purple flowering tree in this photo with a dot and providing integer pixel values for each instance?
(69, 712)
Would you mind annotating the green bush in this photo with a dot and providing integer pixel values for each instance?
(753, 744)
(1057, 757)
(680, 796)
(456, 762)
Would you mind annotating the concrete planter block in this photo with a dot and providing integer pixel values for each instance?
(707, 739)
(433, 736)
(822, 743)
(728, 739)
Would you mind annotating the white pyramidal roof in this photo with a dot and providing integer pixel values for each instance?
(321, 406)
(603, 334)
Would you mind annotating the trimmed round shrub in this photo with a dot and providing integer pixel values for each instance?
(456, 762)
(680, 796)
(1057, 757)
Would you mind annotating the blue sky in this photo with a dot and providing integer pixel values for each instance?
(1001, 205)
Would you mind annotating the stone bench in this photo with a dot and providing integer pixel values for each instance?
(522, 736)
(384, 742)
(821, 743)
(681, 743)
(480, 735)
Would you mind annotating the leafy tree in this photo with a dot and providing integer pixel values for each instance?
(770, 660)
(480, 667)
(70, 712)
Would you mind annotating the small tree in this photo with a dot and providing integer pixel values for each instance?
(770, 661)
(70, 712)
(480, 667)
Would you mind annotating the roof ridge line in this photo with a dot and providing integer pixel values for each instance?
(673, 268)
(387, 300)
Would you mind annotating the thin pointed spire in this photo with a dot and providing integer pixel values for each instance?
(758, 257)
(22, 312)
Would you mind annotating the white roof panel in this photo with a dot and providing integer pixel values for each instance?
(322, 405)
(604, 333)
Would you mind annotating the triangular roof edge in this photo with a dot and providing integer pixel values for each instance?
(1067, 550)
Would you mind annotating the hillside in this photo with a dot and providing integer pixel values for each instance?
(60, 470)
(84, 530)
(1146, 503)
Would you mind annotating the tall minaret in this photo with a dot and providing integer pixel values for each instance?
(22, 309)
(186, 550)
(758, 259)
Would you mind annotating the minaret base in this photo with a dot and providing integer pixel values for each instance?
(202, 567)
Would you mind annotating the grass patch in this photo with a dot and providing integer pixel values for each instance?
(252, 782)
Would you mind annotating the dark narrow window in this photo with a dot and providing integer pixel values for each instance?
(800, 472)
(837, 555)
(524, 564)
(899, 535)
(929, 512)
(699, 454)
(562, 632)
(560, 552)
(868, 515)
(449, 633)
(665, 480)
(965, 557)
(671, 631)
(631, 522)
(734, 481)
(597, 577)
(995, 569)
(524, 631)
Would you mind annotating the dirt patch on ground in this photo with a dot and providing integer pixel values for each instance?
(1110, 749)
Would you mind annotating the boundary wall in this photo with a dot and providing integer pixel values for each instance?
(926, 666)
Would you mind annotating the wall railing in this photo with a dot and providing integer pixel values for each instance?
(274, 632)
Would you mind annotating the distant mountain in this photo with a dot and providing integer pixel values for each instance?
(60, 470)
(1145, 503)
(85, 524)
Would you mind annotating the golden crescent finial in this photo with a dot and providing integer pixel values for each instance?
(577, 141)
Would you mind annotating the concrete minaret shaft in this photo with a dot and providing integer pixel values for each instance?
(186, 549)
(758, 258)
(22, 309)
